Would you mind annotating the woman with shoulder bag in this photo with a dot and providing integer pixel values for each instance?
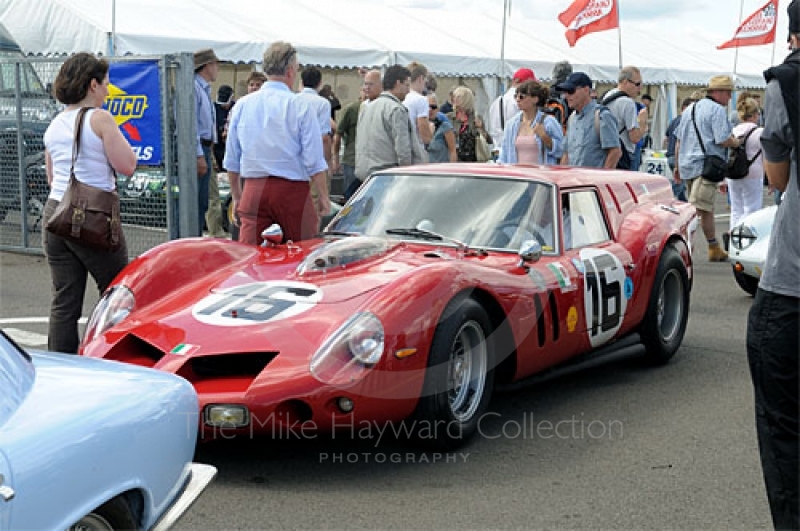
(468, 128)
(81, 82)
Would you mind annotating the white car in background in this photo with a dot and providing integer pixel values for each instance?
(748, 247)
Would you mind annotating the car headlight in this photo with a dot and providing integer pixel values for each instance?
(113, 307)
(350, 352)
(743, 237)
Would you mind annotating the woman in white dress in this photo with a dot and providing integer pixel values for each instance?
(747, 194)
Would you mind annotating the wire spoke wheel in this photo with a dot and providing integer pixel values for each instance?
(467, 371)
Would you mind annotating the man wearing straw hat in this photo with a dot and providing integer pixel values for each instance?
(206, 68)
(716, 135)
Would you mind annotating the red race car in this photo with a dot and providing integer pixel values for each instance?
(432, 285)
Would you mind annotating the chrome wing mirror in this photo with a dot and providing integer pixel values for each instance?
(530, 252)
(272, 235)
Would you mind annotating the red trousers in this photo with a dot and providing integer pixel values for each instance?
(269, 200)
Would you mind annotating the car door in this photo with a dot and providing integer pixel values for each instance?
(602, 265)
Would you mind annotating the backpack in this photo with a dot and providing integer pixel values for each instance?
(557, 108)
(738, 163)
(624, 162)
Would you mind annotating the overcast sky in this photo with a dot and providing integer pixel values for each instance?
(715, 17)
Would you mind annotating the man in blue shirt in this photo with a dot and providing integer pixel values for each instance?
(592, 139)
(206, 68)
(706, 122)
(275, 148)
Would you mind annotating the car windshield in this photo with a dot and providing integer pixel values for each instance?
(481, 212)
(16, 376)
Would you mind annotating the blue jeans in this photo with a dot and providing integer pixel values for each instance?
(349, 173)
(202, 190)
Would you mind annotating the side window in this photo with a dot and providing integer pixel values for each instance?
(584, 223)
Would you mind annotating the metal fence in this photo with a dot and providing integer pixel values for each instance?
(152, 209)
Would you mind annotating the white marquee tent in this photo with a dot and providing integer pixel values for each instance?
(355, 33)
(351, 33)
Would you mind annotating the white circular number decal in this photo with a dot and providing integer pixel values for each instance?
(257, 303)
(604, 303)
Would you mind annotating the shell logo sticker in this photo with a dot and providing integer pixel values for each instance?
(628, 287)
(603, 298)
(257, 303)
(572, 319)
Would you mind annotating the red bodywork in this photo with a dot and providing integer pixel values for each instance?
(540, 318)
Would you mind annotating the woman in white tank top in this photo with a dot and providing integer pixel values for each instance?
(82, 81)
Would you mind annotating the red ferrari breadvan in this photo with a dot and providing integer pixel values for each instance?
(431, 286)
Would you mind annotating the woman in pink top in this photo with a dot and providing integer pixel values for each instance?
(532, 136)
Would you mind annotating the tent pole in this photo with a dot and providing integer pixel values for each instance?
(502, 66)
(113, 27)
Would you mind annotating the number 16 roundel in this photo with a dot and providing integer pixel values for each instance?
(604, 294)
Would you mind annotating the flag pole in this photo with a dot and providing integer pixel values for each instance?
(619, 36)
(736, 52)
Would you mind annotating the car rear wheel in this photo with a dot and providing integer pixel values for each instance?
(746, 282)
(113, 515)
(460, 376)
(664, 323)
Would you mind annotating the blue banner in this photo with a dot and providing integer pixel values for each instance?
(134, 99)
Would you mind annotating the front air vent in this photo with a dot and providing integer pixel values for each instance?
(136, 351)
(225, 365)
(225, 372)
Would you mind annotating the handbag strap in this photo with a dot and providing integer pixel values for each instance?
(697, 131)
(76, 145)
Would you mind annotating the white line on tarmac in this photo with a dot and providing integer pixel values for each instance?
(33, 320)
(25, 338)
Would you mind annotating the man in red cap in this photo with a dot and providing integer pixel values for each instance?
(501, 113)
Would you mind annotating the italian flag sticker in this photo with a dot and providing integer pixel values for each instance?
(561, 275)
(182, 349)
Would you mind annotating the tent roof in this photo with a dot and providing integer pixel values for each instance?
(349, 34)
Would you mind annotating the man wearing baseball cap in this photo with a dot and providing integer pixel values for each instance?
(592, 139)
(504, 107)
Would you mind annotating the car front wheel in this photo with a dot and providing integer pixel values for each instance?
(460, 376)
(746, 282)
(114, 515)
(664, 323)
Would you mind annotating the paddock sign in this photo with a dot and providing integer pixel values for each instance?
(134, 99)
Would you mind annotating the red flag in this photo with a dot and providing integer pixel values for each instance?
(588, 16)
(758, 28)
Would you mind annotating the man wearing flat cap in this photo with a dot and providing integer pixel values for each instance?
(504, 107)
(206, 68)
(716, 134)
(592, 139)
(773, 337)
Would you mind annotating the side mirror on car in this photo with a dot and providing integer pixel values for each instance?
(530, 252)
(272, 235)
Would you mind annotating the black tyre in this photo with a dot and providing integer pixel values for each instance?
(746, 282)
(664, 323)
(114, 515)
(460, 376)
